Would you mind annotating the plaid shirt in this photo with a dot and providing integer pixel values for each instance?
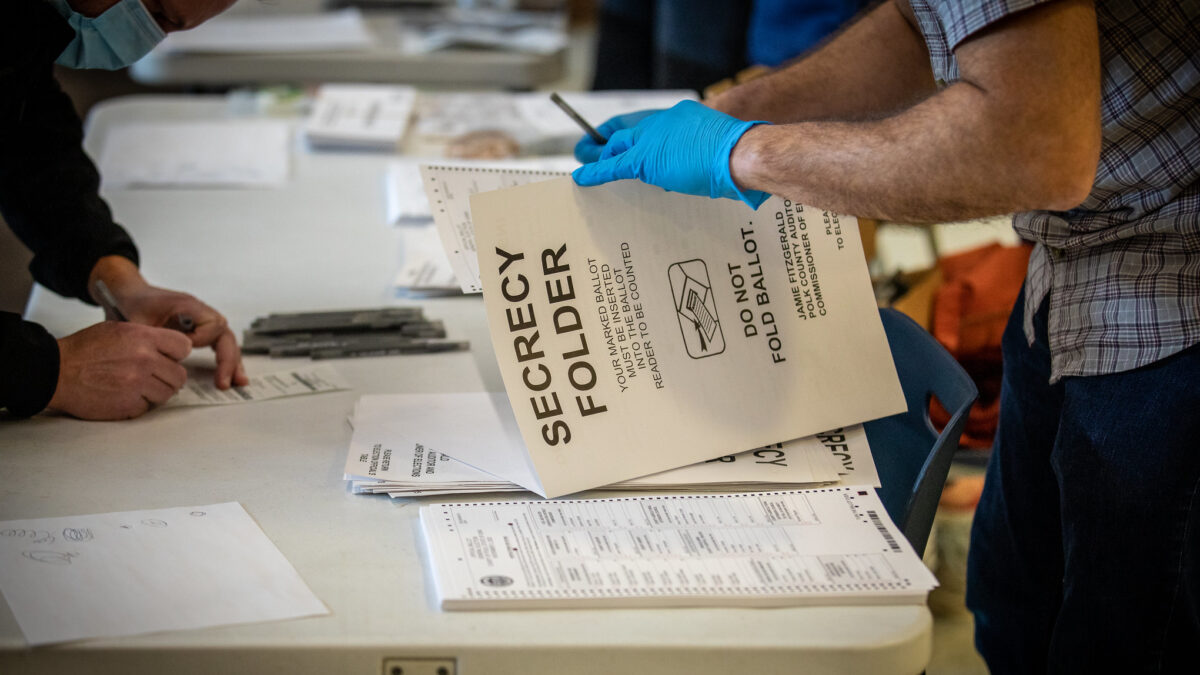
(1121, 270)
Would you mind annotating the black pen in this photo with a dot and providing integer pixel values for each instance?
(583, 124)
(109, 303)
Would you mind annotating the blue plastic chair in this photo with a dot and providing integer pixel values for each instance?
(911, 456)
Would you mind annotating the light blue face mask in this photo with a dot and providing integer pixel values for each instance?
(121, 35)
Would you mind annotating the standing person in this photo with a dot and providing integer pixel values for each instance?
(1083, 118)
(48, 196)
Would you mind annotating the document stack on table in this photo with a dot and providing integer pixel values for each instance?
(396, 450)
(767, 549)
(359, 116)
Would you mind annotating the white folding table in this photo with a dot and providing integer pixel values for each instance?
(319, 243)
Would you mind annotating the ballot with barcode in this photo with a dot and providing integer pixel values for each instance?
(833, 545)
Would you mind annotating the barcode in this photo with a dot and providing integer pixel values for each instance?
(887, 536)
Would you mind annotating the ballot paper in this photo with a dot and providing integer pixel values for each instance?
(359, 116)
(449, 188)
(408, 204)
(389, 453)
(228, 153)
(275, 32)
(115, 574)
(625, 317)
(295, 382)
(827, 546)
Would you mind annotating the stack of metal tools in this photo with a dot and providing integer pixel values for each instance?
(346, 333)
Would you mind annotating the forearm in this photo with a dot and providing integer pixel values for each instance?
(932, 163)
(1019, 132)
(49, 187)
(118, 273)
(874, 67)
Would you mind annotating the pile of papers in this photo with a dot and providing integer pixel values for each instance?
(394, 451)
(359, 116)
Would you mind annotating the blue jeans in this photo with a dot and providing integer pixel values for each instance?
(1085, 552)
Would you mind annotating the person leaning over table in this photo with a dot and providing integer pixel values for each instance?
(1083, 118)
(48, 196)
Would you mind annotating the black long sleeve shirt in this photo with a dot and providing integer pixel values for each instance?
(48, 194)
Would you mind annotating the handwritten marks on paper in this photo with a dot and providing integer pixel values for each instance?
(114, 574)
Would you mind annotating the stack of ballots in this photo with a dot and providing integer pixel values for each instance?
(395, 450)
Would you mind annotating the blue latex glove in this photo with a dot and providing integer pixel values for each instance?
(587, 150)
(682, 149)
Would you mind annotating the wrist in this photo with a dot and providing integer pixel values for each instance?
(119, 273)
(746, 158)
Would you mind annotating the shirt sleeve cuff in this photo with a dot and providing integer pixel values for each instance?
(30, 359)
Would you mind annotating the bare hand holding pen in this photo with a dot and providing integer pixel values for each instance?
(120, 369)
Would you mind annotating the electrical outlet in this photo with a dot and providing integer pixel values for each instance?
(414, 666)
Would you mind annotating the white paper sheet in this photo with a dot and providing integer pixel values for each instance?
(295, 382)
(114, 574)
(424, 269)
(229, 153)
(827, 546)
(274, 32)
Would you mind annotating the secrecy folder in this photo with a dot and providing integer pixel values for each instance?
(639, 330)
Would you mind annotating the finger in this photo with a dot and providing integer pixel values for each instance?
(240, 378)
(171, 343)
(587, 150)
(623, 121)
(614, 124)
(618, 143)
(603, 171)
(229, 358)
(170, 373)
(207, 332)
(156, 391)
(207, 323)
(137, 409)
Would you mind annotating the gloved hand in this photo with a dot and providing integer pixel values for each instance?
(588, 150)
(682, 149)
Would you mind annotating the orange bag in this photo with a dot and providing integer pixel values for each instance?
(970, 311)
